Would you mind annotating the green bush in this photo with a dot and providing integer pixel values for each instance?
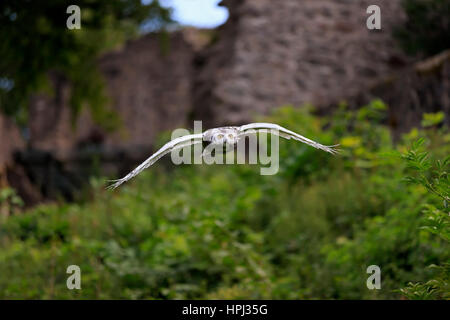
(226, 232)
(436, 180)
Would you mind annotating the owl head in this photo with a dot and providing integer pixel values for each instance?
(225, 136)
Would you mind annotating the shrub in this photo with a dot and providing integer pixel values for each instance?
(228, 232)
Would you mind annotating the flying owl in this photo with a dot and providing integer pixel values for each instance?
(226, 136)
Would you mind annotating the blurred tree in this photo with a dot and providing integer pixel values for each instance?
(427, 27)
(36, 40)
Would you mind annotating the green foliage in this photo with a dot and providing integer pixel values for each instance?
(427, 27)
(10, 202)
(35, 41)
(432, 119)
(226, 232)
(435, 178)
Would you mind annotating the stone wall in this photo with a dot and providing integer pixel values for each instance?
(271, 53)
(266, 55)
(11, 141)
(148, 82)
(423, 87)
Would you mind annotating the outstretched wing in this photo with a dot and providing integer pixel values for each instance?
(175, 144)
(284, 133)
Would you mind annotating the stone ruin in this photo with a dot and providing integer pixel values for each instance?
(268, 54)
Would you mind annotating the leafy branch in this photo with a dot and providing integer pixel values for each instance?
(435, 179)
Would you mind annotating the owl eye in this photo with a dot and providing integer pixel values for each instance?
(220, 136)
(230, 136)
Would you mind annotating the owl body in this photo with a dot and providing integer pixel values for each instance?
(222, 135)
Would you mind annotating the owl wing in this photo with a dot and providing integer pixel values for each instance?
(175, 144)
(284, 133)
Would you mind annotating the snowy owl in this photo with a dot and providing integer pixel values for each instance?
(227, 136)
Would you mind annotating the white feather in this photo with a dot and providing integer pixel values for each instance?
(175, 144)
(210, 134)
(287, 134)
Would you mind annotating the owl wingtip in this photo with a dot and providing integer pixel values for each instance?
(114, 184)
(334, 149)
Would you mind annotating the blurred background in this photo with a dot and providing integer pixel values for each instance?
(81, 106)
